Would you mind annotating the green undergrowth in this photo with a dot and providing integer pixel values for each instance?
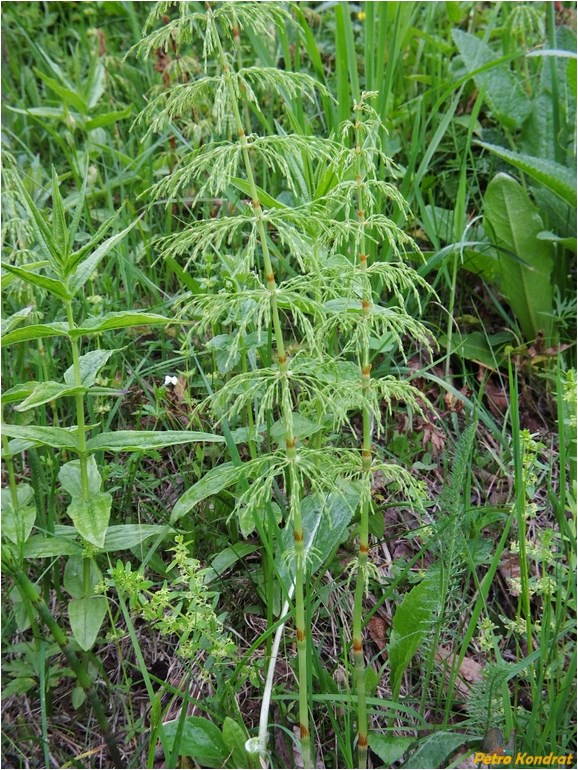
(289, 383)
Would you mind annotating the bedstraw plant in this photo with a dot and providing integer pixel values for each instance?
(300, 269)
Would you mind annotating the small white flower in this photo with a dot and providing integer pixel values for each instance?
(169, 380)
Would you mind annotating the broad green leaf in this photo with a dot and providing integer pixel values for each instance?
(59, 438)
(121, 537)
(200, 739)
(478, 347)
(141, 440)
(435, 750)
(119, 320)
(502, 90)
(513, 221)
(557, 178)
(234, 737)
(16, 446)
(326, 522)
(389, 748)
(35, 332)
(86, 268)
(70, 478)
(227, 557)
(91, 516)
(86, 616)
(109, 117)
(66, 94)
(15, 319)
(55, 287)
(41, 547)
(413, 619)
(212, 483)
(73, 579)
(302, 428)
(17, 522)
(45, 392)
(90, 365)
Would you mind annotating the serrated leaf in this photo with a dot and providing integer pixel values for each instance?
(525, 278)
(90, 364)
(91, 517)
(35, 332)
(212, 483)
(74, 581)
(86, 268)
(200, 739)
(120, 320)
(52, 285)
(59, 438)
(434, 750)
(71, 480)
(45, 392)
(557, 178)
(17, 522)
(86, 616)
(410, 625)
(143, 440)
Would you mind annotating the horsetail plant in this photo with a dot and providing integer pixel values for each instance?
(310, 389)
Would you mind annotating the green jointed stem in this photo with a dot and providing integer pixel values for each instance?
(290, 442)
(366, 466)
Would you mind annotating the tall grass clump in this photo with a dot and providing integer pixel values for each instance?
(305, 384)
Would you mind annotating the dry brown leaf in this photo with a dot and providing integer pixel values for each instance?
(377, 629)
(470, 670)
(510, 570)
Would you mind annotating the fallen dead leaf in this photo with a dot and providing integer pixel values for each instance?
(470, 670)
(377, 629)
(510, 570)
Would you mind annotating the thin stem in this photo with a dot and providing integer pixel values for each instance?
(286, 408)
(362, 557)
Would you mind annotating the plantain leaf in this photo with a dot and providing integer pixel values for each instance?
(86, 616)
(434, 750)
(525, 272)
(412, 620)
(200, 739)
(211, 483)
(142, 440)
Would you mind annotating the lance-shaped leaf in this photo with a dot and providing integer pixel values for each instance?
(142, 440)
(413, 619)
(218, 478)
(35, 332)
(47, 391)
(86, 268)
(59, 438)
(52, 285)
(86, 616)
(90, 364)
(91, 516)
(120, 320)
(7, 324)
